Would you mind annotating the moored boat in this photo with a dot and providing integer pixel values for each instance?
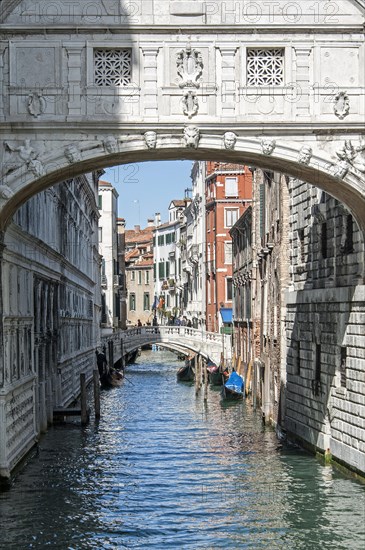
(234, 387)
(217, 375)
(187, 373)
(112, 379)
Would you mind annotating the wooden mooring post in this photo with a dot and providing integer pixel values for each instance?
(198, 374)
(84, 411)
(96, 382)
(205, 382)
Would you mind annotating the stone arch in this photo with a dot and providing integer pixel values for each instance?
(322, 168)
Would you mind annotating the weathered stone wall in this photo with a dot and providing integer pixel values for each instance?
(325, 403)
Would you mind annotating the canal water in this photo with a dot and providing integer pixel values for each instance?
(163, 469)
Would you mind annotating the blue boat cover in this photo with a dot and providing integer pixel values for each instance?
(226, 313)
(235, 383)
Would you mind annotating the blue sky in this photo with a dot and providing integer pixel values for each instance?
(148, 187)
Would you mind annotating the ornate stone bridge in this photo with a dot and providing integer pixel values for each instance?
(185, 340)
(83, 82)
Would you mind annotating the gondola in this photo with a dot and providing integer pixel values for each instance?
(187, 373)
(112, 379)
(233, 389)
(216, 373)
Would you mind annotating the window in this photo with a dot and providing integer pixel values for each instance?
(231, 216)
(343, 373)
(228, 252)
(348, 235)
(316, 382)
(139, 277)
(147, 277)
(133, 276)
(161, 240)
(132, 302)
(324, 240)
(154, 271)
(229, 289)
(100, 202)
(301, 255)
(167, 269)
(161, 270)
(231, 187)
(297, 352)
(100, 234)
(265, 67)
(112, 67)
(146, 301)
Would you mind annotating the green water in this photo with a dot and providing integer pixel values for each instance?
(164, 470)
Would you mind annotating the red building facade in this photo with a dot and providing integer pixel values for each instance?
(228, 193)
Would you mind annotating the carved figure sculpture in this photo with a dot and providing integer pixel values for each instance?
(72, 153)
(305, 154)
(110, 144)
(190, 103)
(36, 167)
(229, 140)
(191, 136)
(150, 138)
(340, 169)
(189, 64)
(359, 160)
(25, 151)
(5, 192)
(268, 146)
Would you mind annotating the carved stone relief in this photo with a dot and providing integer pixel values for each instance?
(268, 146)
(36, 167)
(341, 105)
(349, 157)
(72, 153)
(189, 64)
(110, 144)
(5, 192)
(229, 140)
(36, 104)
(191, 136)
(150, 138)
(190, 104)
(305, 154)
(28, 157)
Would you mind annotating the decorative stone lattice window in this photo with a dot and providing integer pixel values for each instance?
(112, 66)
(265, 67)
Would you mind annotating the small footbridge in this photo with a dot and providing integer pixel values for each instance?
(184, 340)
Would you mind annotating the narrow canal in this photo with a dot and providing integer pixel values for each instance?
(164, 470)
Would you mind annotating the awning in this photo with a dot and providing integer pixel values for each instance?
(226, 313)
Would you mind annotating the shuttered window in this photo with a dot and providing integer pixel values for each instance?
(231, 187)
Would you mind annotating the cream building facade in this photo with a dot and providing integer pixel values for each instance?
(51, 310)
(108, 248)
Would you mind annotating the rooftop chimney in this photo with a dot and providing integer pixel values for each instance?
(157, 219)
(137, 228)
(150, 222)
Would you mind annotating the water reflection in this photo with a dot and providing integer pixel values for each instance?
(164, 469)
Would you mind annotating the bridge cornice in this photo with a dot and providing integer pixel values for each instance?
(233, 29)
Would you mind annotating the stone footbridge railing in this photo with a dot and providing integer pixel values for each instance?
(177, 338)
